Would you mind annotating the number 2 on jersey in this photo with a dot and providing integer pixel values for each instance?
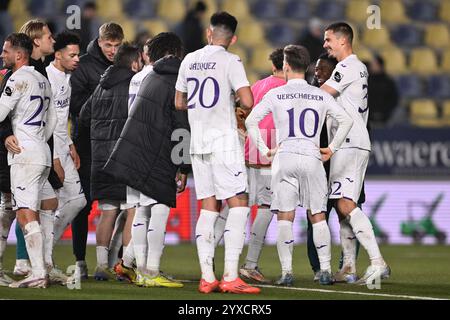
(301, 122)
(36, 118)
(202, 91)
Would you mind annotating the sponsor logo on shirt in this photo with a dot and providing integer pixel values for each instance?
(337, 76)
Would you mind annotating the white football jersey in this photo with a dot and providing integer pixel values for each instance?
(299, 111)
(28, 95)
(210, 76)
(135, 84)
(349, 78)
(61, 90)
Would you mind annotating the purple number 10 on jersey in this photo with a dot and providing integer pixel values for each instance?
(36, 118)
(301, 122)
(201, 98)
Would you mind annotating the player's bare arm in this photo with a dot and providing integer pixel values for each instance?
(74, 155)
(181, 100)
(245, 98)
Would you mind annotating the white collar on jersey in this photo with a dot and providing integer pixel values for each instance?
(57, 72)
(297, 81)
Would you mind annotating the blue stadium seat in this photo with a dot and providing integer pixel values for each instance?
(297, 9)
(409, 86)
(140, 8)
(280, 34)
(423, 11)
(43, 8)
(407, 35)
(438, 86)
(266, 9)
(330, 10)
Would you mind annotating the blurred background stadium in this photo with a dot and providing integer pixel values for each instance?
(408, 179)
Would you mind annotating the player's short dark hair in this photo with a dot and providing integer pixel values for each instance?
(225, 20)
(379, 59)
(65, 39)
(297, 57)
(21, 41)
(326, 57)
(277, 57)
(126, 55)
(163, 44)
(342, 28)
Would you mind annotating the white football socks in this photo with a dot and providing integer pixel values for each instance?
(234, 235)
(155, 237)
(67, 211)
(219, 226)
(7, 217)
(285, 245)
(257, 236)
(139, 236)
(128, 254)
(102, 256)
(35, 247)
(204, 238)
(47, 218)
(116, 240)
(322, 242)
(364, 232)
(348, 243)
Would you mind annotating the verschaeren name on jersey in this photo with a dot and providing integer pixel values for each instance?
(299, 95)
(202, 66)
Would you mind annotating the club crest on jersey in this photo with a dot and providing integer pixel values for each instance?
(8, 91)
(337, 76)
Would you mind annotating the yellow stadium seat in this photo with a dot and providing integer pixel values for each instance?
(445, 62)
(444, 11)
(446, 113)
(129, 29)
(251, 33)
(155, 26)
(172, 10)
(357, 10)
(240, 51)
(437, 35)
(253, 76)
(377, 38)
(238, 8)
(423, 61)
(18, 9)
(393, 11)
(424, 113)
(19, 21)
(394, 60)
(110, 9)
(363, 53)
(260, 59)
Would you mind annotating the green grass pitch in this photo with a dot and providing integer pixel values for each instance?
(417, 272)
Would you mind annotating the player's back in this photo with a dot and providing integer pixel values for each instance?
(349, 78)
(212, 75)
(299, 111)
(28, 116)
(135, 84)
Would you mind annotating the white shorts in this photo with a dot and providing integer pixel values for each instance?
(114, 204)
(298, 180)
(47, 192)
(72, 188)
(259, 186)
(27, 182)
(137, 198)
(347, 171)
(219, 174)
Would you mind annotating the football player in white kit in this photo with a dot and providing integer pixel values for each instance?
(137, 248)
(27, 98)
(66, 161)
(208, 81)
(298, 176)
(348, 84)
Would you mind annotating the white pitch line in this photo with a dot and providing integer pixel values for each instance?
(353, 292)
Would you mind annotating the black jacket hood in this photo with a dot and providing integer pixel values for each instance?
(167, 65)
(114, 75)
